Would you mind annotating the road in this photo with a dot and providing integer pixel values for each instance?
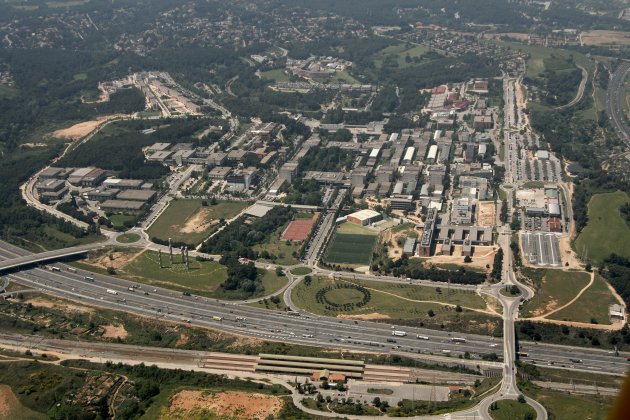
(614, 107)
(327, 332)
(580, 92)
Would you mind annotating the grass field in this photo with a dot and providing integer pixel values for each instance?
(399, 52)
(276, 75)
(352, 244)
(563, 406)
(555, 288)
(118, 220)
(188, 221)
(128, 238)
(344, 77)
(393, 302)
(592, 305)
(301, 271)
(511, 410)
(12, 408)
(579, 377)
(606, 231)
(203, 278)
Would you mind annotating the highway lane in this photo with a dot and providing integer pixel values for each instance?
(279, 326)
(614, 107)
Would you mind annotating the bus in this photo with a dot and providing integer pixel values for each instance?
(458, 340)
(217, 318)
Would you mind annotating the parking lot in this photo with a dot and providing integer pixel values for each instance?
(541, 249)
(394, 392)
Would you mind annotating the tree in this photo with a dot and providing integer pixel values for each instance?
(279, 271)
(376, 402)
(111, 271)
(325, 385)
(521, 399)
(458, 308)
(431, 313)
(467, 259)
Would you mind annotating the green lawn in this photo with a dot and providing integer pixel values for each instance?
(593, 304)
(399, 52)
(352, 244)
(606, 231)
(203, 278)
(301, 271)
(512, 410)
(128, 238)
(351, 249)
(344, 77)
(173, 222)
(390, 301)
(563, 406)
(555, 288)
(118, 220)
(277, 75)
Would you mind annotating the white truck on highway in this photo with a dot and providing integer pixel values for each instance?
(111, 292)
(399, 333)
(422, 337)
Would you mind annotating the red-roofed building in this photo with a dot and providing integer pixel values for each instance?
(439, 89)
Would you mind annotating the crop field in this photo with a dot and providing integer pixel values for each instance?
(606, 231)
(591, 306)
(190, 222)
(396, 303)
(555, 289)
(351, 248)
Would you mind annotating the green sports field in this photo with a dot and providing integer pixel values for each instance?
(351, 248)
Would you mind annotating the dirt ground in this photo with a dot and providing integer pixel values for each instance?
(482, 256)
(65, 306)
(486, 213)
(80, 130)
(605, 38)
(197, 222)
(394, 251)
(115, 259)
(364, 317)
(237, 405)
(112, 331)
(12, 408)
(568, 255)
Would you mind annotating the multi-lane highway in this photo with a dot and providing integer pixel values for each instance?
(614, 105)
(279, 326)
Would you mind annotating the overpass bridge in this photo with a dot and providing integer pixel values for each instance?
(30, 259)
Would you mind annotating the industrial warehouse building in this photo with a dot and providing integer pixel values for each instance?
(364, 217)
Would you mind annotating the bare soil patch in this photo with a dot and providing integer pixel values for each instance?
(239, 405)
(364, 317)
(605, 38)
(40, 302)
(114, 331)
(486, 213)
(483, 255)
(111, 258)
(197, 223)
(82, 129)
(11, 408)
